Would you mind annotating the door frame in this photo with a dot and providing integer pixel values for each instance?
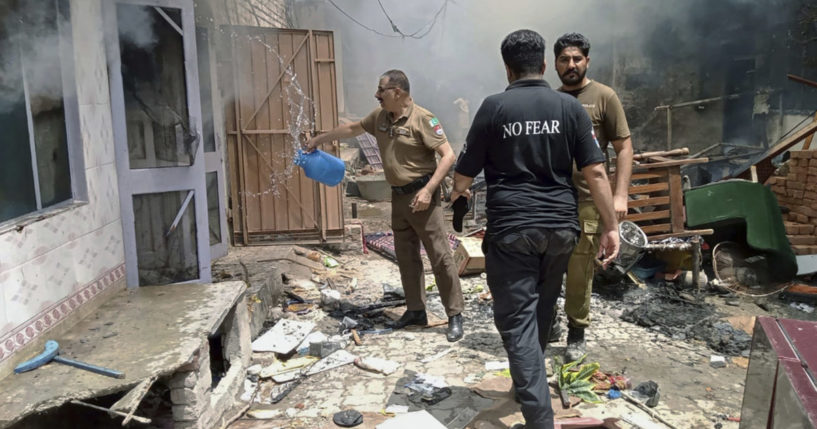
(165, 179)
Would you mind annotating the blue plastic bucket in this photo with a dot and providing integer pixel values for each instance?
(321, 167)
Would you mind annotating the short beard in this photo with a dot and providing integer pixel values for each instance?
(570, 81)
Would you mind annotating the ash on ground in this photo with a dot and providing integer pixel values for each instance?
(681, 317)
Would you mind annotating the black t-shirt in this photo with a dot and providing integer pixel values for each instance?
(527, 140)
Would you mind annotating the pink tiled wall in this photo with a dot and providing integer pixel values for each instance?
(52, 267)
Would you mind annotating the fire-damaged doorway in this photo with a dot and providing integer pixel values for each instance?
(284, 87)
(156, 113)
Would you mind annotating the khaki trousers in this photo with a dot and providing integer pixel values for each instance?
(426, 227)
(581, 268)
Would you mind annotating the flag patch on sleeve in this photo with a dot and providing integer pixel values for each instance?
(438, 129)
(434, 122)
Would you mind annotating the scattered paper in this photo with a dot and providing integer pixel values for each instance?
(282, 367)
(417, 419)
(396, 409)
(432, 358)
(496, 365)
(383, 366)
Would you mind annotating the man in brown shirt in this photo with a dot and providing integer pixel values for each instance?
(610, 126)
(409, 138)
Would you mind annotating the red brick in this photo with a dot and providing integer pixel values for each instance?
(799, 170)
(798, 195)
(802, 239)
(798, 154)
(791, 177)
(800, 249)
(800, 218)
(812, 162)
(806, 229)
(797, 187)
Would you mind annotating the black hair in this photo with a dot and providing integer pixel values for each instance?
(398, 79)
(523, 51)
(572, 39)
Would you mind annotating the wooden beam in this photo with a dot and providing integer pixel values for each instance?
(676, 195)
(658, 214)
(807, 143)
(660, 174)
(648, 202)
(792, 140)
(674, 152)
(662, 227)
(690, 161)
(646, 189)
(649, 229)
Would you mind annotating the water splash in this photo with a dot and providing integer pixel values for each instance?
(300, 123)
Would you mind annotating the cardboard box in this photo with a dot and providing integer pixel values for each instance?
(468, 257)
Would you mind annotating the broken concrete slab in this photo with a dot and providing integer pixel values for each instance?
(160, 330)
(336, 359)
(283, 337)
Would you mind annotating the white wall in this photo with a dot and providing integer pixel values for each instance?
(52, 269)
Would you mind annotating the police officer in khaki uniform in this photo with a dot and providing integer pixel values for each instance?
(572, 53)
(409, 138)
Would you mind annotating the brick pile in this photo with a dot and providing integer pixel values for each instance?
(797, 191)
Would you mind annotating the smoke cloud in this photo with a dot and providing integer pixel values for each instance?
(651, 52)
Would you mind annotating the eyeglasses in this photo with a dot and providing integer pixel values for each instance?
(382, 90)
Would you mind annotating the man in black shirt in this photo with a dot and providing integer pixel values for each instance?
(527, 140)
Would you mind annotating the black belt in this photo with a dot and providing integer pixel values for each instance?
(411, 187)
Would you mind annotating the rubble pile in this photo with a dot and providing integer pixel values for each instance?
(796, 191)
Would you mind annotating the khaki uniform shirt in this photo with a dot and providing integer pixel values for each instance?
(609, 123)
(407, 144)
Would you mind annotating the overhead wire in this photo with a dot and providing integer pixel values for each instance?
(419, 34)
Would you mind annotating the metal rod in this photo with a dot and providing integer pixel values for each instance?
(705, 150)
(175, 223)
(698, 102)
(144, 420)
(804, 81)
(696, 262)
(169, 20)
(669, 128)
(652, 413)
(31, 142)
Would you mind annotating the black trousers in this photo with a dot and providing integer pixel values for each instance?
(525, 271)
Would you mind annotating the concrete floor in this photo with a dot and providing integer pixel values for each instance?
(693, 394)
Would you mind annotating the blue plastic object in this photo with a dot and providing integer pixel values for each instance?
(321, 167)
(51, 353)
(613, 394)
(51, 349)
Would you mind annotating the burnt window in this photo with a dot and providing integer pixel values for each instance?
(35, 50)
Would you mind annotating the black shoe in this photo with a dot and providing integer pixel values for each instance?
(410, 317)
(454, 328)
(575, 344)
